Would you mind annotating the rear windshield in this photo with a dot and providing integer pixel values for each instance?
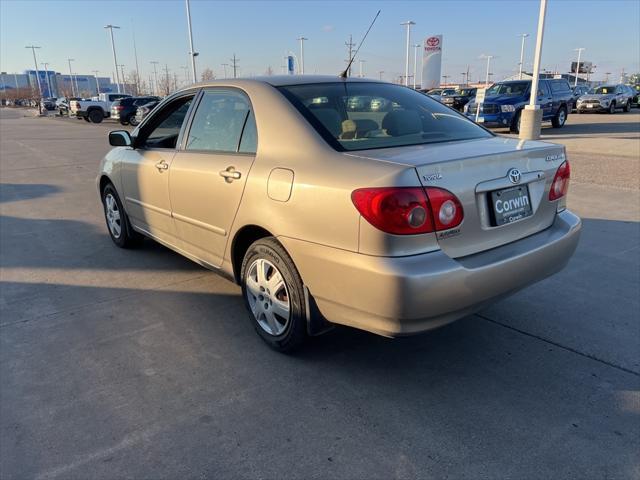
(511, 88)
(360, 116)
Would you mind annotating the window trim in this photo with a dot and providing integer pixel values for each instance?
(182, 145)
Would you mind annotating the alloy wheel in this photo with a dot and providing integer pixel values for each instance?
(113, 215)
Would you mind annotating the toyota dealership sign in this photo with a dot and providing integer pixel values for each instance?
(432, 61)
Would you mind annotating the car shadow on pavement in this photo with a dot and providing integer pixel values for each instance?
(14, 192)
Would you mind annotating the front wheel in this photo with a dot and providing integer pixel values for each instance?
(515, 123)
(117, 221)
(612, 108)
(273, 294)
(560, 118)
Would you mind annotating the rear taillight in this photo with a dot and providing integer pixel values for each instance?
(560, 184)
(118, 107)
(408, 210)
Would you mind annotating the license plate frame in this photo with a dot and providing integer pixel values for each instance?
(515, 205)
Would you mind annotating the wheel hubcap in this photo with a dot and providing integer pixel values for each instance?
(268, 296)
(113, 215)
(562, 117)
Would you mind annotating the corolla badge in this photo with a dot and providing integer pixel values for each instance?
(514, 175)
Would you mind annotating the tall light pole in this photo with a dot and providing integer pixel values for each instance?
(301, 39)
(124, 89)
(192, 53)
(113, 49)
(361, 64)
(531, 116)
(408, 24)
(135, 54)
(73, 90)
(523, 35)
(224, 69)
(579, 50)
(46, 74)
(33, 50)
(445, 78)
(155, 77)
(95, 75)
(489, 57)
(415, 64)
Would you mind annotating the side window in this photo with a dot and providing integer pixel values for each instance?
(543, 89)
(164, 128)
(249, 142)
(218, 122)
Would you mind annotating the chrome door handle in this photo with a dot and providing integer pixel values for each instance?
(162, 165)
(230, 174)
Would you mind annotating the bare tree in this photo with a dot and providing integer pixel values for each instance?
(207, 75)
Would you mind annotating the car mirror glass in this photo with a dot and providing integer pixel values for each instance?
(120, 138)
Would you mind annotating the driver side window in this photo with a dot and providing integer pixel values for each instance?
(164, 129)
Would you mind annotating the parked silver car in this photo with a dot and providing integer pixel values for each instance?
(393, 220)
(605, 98)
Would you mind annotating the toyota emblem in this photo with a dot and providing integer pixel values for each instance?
(514, 175)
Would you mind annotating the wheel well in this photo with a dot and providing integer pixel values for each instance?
(241, 242)
(104, 180)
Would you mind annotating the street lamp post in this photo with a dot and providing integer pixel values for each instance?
(224, 69)
(33, 50)
(124, 89)
(155, 77)
(523, 35)
(579, 50)
(531, 116)
(73, 89)
(95, 75)
(361, 73)
(113, 49)
(192, 53)
(406, 65)
(486, 79)
(302, 39)
(46, 74)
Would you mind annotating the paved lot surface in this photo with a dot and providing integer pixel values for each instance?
(141, 364)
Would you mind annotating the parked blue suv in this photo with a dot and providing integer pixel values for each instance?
(505, 100)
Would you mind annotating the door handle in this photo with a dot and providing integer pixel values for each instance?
(162, 165)
(230, 174)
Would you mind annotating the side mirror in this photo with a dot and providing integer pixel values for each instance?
(120, 138)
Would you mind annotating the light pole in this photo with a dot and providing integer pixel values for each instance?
(113, 49)
(192, 53)
(155, 77)
(224, 69)
(415, 64)
(463, 81)
(523, 35)
(135, 54)
(445, 78)
(302, 39)
(380, 73)
(33, 50)
(531, 116)
(124, 89)
(95, 75)
(46, 74)
(361, 73)
(73, 90)
(579, 50)
(486, 80)
(408, 24)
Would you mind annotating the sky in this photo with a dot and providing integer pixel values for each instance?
(261, 33)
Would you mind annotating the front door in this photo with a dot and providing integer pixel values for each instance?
(145, 170)
(208, 175)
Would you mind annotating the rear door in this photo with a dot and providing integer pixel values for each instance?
(145, 170)
(208, 175)
(545, 99)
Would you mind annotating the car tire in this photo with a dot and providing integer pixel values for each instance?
(612, 108)
(627, 106)
(86, 119)
(118, 224)
(515, 123)
(560, 118)
(273, 294)
(132, 121)
(123, 122)
(96, 116)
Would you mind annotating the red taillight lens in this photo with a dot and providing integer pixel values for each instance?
(560, 184)
(118, 107)
(408, 210)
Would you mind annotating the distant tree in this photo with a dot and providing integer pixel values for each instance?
(207, 75)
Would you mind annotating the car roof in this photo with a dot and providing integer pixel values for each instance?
(285, 80)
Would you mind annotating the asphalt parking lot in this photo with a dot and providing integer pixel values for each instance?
(141, 364)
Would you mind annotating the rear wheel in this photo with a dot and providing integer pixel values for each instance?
(612, 108)
(273, 294)
(96, 116)
(133, 121)
(117, 221)
(560, 118)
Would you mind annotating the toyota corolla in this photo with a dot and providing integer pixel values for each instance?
(395, 217)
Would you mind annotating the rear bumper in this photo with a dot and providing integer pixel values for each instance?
(395, 296)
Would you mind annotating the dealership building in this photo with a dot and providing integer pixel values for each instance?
(54, 84)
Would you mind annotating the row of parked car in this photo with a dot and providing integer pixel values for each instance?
(505, 100)
(126, 109)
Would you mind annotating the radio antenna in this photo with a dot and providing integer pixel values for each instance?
(345, 73)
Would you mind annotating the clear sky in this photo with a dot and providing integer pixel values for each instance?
(262, 32)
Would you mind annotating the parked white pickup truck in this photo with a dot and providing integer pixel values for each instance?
(96, 109)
